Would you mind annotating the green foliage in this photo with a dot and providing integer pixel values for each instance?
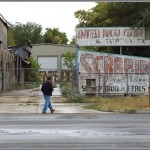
(54, 85)
(29, 31)
(73, 98)
(145, 18)
(11, 38)
(73, 42)
(55, 36)
(33, 32)
(31, 74)
(69, 57)
(117, 14)
(66, 90)
(62, 84)
(113, 14)
(69, 92)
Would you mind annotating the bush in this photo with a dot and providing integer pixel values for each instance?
(73, 98)
(54, 85)
(66, 90)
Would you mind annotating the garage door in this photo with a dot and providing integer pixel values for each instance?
(48, 62)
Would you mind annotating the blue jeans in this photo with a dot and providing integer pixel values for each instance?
(47, 103)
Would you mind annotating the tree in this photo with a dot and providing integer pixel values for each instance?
(69, 57)
(53, 35)
(31, 74)
(113, 14)
(11, 38)
(73, 42)
(29, 31)
(145, 18)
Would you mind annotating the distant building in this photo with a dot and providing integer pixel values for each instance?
(49, 56)
(22, 53)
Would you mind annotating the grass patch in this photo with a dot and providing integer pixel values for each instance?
(120, 104)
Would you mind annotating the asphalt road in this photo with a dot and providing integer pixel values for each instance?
(75, 131)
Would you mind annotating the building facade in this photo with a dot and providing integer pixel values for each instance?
(49, 57)
(7, 59)
(12, 59)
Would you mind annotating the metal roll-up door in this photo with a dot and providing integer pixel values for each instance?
(48, 62)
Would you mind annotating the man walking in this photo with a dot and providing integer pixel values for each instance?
(47, 89)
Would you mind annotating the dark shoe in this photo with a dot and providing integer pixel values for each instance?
(43, 112)
(52, 110)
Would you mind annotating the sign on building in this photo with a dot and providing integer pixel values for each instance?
(113, 73)
(110, 36)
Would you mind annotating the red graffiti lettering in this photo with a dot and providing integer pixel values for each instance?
(118, 65)
(96, 60)
(111, 32)
(128, 65)
(143, 66)
(112, 64)
(88, 33)
(108, 64)
(85, 64)
(136, 66)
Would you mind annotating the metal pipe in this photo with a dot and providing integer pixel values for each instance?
(120, 50)
(99, 82)
(77, 70)
(149, 81)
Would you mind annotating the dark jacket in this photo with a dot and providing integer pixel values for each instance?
(47, 88)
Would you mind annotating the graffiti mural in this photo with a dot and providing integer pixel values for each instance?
(114, 73)
(58, 75)
(42, 75)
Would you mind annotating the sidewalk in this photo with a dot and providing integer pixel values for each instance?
(37, 109)
(32, 101)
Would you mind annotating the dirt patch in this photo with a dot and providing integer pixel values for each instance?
(27, 96)
(17, 99)
(27, 99)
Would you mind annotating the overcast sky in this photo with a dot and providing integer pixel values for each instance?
(46, 14)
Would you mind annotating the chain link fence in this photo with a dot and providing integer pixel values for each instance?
(114, 83)
(82, 83)
(29, 78)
